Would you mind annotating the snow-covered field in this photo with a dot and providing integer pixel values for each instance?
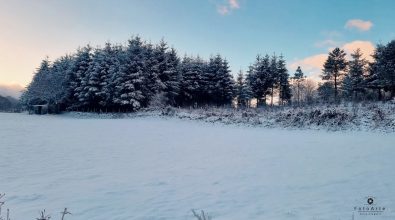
(158, 168)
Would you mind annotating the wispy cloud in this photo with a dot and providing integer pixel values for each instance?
(234, 4)
(332, 39)
(327, 43)
(228, 6)
(331, 34)
(223, 9)
(359, 24)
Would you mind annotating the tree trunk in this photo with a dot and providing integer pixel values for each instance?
(271, 101)
(379, 93)
(298, 94)
(335, 88)
(392, 91)
(260, 101)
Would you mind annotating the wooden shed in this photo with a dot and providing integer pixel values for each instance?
(40, 109)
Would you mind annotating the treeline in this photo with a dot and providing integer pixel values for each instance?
(358, 79)
(140, 74)
(9, 104)
(354, 80)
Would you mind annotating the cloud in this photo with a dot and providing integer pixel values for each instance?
(331, 34)
(14, 90)
(367, 48)
(359, 24)
(234, 4)
(312, 65)
(227, 7)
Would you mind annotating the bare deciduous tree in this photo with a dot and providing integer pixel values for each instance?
(304, 92)
(309, 90)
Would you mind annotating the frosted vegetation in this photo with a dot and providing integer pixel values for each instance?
(346, 116)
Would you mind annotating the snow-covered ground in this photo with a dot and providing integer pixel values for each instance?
(161, 168)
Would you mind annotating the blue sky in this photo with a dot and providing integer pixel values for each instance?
(303, 31)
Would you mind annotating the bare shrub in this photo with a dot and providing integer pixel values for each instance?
(158, 101)
(43, 216)
(201, 215)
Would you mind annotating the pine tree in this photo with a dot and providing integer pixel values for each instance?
(171, 77)
(353, 83)
(375, 80)
(129, 81)
(192, 84)
(49, 84)
(347, 88)
(384, 67)
(225, 84)
(37, 91)
(240, 82)
(254, 82)
(273, 77)
(210, 80)
(259, 79)
(105, 65)
(116, 60)
(218, 82)
(72, 82)
(334, 68)
(184, 68)
(61, 69)
(150, 71)
(298, 79)
(96, 70)
(325, 90)
(283, 81)
(243, 91)
(389, 68)
(156, 62)
(187, 81)
(82, 62)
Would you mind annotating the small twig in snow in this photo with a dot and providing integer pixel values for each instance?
(65, 212)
